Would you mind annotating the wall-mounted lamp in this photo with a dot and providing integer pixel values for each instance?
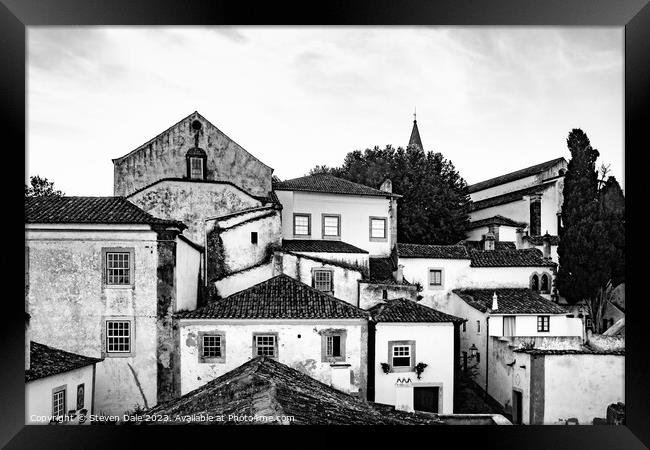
(473, 351)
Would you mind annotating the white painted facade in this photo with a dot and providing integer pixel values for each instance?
(299, 346)
(506, 233)
(526, 325)
(434, 346)
(38, 394)
(188, 265)
(355, 212)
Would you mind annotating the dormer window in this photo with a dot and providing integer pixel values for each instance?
(196, 160)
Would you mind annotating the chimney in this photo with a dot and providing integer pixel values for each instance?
(489, 241)
(494, 229)
(278, 260)
(535, 214)
(341, 377)
(519, 233)
(399, 274)
(495, 304)
(386, 186)
(404, 395)
(546, 239)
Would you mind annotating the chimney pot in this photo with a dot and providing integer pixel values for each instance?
(495, 304)
(519, 233)
(399, 274)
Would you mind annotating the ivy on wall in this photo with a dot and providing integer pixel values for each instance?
(216, 259)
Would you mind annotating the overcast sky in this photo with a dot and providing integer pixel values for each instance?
(490, 99)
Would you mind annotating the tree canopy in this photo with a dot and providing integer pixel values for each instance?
(435, 204)
(592, 239)
(41, 187)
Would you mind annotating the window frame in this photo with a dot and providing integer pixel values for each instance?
(377, 239)
(548, 281)
(442, 278)
(337, 236)
(202, 161)
(275, 346)
(131, 253)
(113, 354)
(222, 344)
(322, 269)
(392, 345)
(60, 389)
(325, 335)
(81, 386)
(304, 236)
(548, 324)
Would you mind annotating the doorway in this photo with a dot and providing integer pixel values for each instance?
(426, 398)
(516, 407)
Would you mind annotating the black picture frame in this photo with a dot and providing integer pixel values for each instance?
(634, 15)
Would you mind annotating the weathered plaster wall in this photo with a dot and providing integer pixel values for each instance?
(192, 202)
(243, 280)
(164, 157)
(358, 259)
(299, 346)
(188, 265)
(500, 381)
(582, 386)
(346, 286)
(68, 305)
(526, 325)
(355, 214)
(471, 334)
(434, 346)
(506, 234)
(372, 293)
(521, 382)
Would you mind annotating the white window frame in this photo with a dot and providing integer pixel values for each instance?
(548, 324)
(392, 346)
(302, 235)
(55, 392)
(193, 159)
(256, 345)
(384, 238)
(107, 337)
(130, 269)
(430, 278)
(316, 272)
(336, 236)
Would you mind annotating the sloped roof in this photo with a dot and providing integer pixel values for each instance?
(495, 220)
(539, 240)
(509, 197)
(329, 184)
(264, 387)
(432, 251)
(280, 297)
(404, 310)
(527, 257)
(319, 246)
(415, 140)
(509, 301)
(100, 210)
(516, 175)
(498, 245)
(45, 361)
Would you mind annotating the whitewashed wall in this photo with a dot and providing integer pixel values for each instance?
(506, 233)
(188, 265)
(38, 393)
(243, 280)
(299, 346)
(526, 325)
(434, 346)
(355, 214)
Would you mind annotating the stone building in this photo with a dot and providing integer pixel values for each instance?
(103, 279)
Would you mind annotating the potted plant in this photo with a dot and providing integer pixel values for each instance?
(385, 367)
(419, 368)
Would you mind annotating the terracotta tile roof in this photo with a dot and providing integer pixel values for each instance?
(539, 240)
(516, 175)
(100, 210)
(479, 246)
(280, 297)
(495, 220)
(319, 246)
(264, 387)
(329, 184)
(432, 251)
(509, 301)
(527, 257)
(404, 310)
(46, 361)
(509, 197)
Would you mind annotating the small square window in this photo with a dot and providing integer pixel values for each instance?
(402, 356)
(543, 323)
(211, 346)
(265, 345)
(118, 336)
(378, 228)
(331, 226)
(435, 278)
(302, 224)
(323, 280)
(254, 237)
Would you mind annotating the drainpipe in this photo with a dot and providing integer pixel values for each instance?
(487, 356)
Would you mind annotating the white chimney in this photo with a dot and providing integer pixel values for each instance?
(386, 186)
(489, 241)
(341, 377)
(495, 304)
(519, 233)
(546, 240)
(404, 395)
(399, 274)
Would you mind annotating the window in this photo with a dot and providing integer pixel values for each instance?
(534, 282)
(509, 326)
(212, 347)
(196, 168)
(478, 326)
(331, 226)
(58, 401)
(265, 345)
(118, 336)
(384, 294)
(543, 323)
(323, 280)
(401, 355)
(302, 224)
(464, 327)
(333, 345)
(254, 237)
(435, 278)
(117, 266)
(80, 396)
(545, 284)
(378, 228)
(588, 323)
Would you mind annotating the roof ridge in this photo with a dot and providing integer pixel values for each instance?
(473, 187)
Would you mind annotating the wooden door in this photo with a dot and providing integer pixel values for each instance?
(426, 399)
(516, 407)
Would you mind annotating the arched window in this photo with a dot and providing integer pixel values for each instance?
(534, 282)
(196, 159)
(545, 284)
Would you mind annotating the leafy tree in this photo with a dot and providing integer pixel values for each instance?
(41, 187)
(435, 203)
(592, 240)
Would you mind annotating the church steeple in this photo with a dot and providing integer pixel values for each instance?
(415, 140)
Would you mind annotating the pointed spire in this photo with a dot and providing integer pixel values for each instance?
(415, 140)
